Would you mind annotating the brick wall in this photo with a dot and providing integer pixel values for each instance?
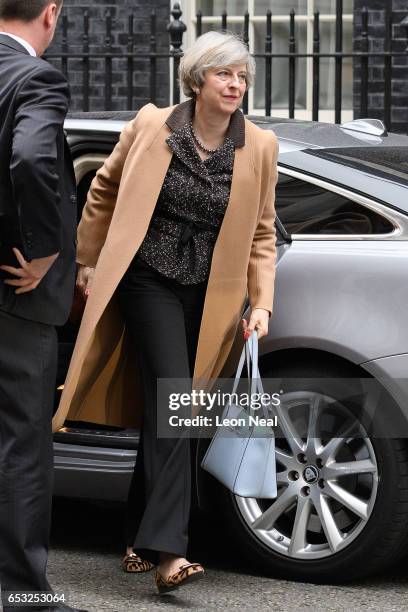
(376, 30)
(97, 9)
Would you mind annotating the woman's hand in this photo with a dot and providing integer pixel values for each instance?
(259, 320)
(84, 279)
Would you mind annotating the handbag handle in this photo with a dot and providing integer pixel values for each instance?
(272, 411)
(245, 357)
(251, 350)
(250, 356)
(256, 383)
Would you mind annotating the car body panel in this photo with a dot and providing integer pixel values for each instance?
(92, 472)
(392, 372)
(346, 298)
(94, 126)
(326, 135)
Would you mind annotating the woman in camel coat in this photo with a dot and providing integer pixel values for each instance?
(177, 231)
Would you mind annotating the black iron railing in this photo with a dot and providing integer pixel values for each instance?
(176, 29)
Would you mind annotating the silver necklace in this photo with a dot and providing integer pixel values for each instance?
(199, 143)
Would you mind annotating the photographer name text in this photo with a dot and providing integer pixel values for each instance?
(208, 421)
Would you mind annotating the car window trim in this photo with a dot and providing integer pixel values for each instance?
(398, 220)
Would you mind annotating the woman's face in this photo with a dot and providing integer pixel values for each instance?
(223, 88)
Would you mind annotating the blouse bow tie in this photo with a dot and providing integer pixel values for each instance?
(189, 230)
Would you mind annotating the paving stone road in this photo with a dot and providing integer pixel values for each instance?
(85, 564)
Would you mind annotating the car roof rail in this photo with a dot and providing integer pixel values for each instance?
(367, 126)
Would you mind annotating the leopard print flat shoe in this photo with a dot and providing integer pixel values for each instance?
(187, 573)
(134, 564)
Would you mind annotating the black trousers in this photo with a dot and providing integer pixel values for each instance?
(28, 361)
(164, 319)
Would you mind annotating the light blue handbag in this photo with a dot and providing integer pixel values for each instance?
(242, 457)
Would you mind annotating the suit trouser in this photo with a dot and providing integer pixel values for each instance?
(163, 317)
(28, 361)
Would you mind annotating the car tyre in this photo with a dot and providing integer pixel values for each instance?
(380, 541)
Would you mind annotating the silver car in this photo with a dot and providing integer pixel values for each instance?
(337, 345)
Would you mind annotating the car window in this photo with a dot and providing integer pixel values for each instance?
(305, 208)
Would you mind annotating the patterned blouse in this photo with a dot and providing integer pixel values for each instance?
(191, 205)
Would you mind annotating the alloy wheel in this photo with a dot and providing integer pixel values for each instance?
(327, 477)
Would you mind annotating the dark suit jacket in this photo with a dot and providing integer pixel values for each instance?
(37, 182)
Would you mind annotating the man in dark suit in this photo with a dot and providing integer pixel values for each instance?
(37, 275)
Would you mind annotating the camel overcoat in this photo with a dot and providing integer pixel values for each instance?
(103, 383)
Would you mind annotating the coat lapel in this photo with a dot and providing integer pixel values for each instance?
(219, 319)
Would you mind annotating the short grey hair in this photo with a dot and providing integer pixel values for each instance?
(212, 50)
